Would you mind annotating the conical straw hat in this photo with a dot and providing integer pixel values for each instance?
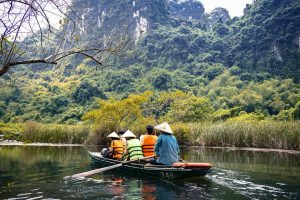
(128, 134)
(113, 135)
(164, 127)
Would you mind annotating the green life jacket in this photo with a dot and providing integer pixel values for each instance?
(134, 149)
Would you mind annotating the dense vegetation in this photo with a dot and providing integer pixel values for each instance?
(208, 69)
(191, 117)
(65, 100)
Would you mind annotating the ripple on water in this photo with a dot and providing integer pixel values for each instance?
(33, 194)
(83, 187)
(281, 184)
(25, 194)
(194, 191)
(241, 183)
(31, 197)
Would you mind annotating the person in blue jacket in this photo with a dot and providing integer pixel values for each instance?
(166, 147)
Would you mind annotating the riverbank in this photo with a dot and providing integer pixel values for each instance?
(18, 143)
(256, 149)
(249, 134)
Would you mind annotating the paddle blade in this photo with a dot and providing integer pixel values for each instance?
(96, 171)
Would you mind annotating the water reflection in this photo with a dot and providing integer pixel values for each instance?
(274, 163)
(38, 172)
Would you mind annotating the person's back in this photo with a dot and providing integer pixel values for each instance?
(117, 147)
(134, 149)
(148, 141)
(167, 149)
(148, 145)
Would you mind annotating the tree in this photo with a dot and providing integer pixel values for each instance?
(235, 70)
(27, 26)
(55, 105)
(295, 112)
(119, 81)
(213, 71)
(85, 92)
(2, 108)
(163, 80)
(189, 108)
(114, 114)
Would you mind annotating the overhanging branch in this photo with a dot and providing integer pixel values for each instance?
(6, 67)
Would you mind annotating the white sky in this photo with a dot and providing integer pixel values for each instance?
(234, 7)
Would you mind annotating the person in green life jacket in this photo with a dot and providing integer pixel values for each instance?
(166, 147)
(133, 146)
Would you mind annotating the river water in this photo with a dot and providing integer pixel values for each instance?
(28, 172)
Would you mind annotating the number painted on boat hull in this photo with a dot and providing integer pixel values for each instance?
(167, 175)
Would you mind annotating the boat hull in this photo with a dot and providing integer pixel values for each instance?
(155, 171)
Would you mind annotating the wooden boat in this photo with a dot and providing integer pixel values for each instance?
(178, 170)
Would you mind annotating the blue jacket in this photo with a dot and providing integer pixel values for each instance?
(167, 149)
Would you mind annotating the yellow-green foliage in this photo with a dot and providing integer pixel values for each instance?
(10, 128)
(189, 109)
(247, 117)
(114, 115)
(54, 133)
(139, 127)
(11, 131)
(99, 133)
(179, 106)
(221, 114)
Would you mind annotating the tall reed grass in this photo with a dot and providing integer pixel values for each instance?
(257, 134)
(263, 134)
(260, 134)
(55, 133)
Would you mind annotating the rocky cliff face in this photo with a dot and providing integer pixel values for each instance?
(266, 37)
(187, 9)
(100, 18)
(97, 18)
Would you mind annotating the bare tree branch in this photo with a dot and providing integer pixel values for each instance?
(28, 36)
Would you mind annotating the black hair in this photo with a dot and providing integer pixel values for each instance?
(122, 131)
(150, 129)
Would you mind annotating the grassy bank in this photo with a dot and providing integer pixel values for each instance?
(45, 133)
(263, 134)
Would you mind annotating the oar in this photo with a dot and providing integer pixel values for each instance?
(96, 171)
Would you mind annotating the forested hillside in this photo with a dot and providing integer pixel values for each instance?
(239, 68)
